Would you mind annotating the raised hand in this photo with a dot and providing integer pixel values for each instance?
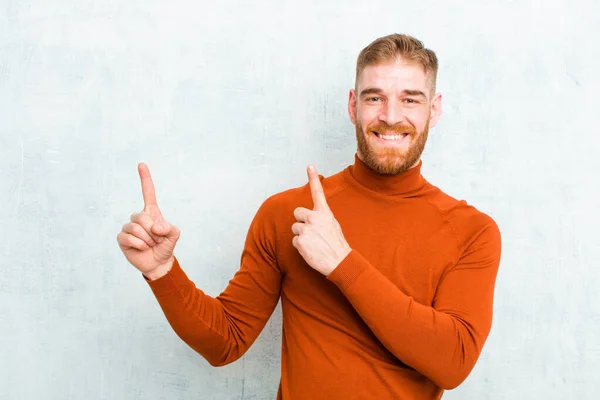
(319, 237)
(148, 240)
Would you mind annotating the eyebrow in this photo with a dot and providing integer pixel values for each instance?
(370, 91)
(409, 92)
(414, 93)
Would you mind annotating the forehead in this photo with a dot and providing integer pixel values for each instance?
(394, 75)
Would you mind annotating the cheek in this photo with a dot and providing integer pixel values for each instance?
(418, 119)
(366, 117)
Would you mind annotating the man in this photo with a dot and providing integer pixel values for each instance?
(386, 283)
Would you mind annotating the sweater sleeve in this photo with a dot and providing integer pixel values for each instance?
(221, 329)
(443, 341)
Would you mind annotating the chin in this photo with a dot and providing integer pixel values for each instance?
(389, 167)
(391, 162)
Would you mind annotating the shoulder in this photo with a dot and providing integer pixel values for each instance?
(469, 224)
(285, 202)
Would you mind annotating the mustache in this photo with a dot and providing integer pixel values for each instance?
(396, 128)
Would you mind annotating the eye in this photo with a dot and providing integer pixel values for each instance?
(410, 101)
(373, 99)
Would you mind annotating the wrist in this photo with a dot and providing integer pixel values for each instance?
(160, 271)
(341, 257)
(344, 253)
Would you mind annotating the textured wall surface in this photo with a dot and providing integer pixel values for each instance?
(228, 102)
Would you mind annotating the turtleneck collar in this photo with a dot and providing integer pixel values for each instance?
(403, 184)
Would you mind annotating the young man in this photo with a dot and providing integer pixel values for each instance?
(386, 283)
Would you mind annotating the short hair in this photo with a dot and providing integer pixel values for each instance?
(398, 46)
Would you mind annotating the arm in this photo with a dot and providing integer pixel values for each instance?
(444, 341)
(221, 329)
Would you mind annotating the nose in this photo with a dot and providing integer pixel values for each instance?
(392, 113)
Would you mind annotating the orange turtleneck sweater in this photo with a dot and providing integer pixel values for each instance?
(403, 316)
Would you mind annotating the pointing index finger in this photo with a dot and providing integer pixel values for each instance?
(316, 189)
(147, 186)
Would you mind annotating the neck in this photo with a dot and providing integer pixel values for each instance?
(404, 183)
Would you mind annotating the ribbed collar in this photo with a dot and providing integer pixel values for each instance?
(404, 184)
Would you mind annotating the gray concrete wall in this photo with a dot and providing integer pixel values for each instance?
(228, 102)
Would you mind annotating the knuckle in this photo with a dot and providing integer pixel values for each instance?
(141, 234)
(137, 230)
(124, 241)
(146, 221)
(139, 244)
(129, 240)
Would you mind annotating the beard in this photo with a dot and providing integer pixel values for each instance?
(391, 160)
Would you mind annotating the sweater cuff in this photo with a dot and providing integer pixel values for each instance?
(348, 271)
(170, 282)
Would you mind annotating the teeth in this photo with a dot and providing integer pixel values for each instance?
(390, 137)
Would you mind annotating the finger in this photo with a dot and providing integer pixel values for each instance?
(139, 232)
(146, 222)
(128, 241)
(298, 228)
(301, 214)
(295, 242)
(148, 191)
(165, 229)
(316, 189)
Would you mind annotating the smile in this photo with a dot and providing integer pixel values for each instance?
(391, 137)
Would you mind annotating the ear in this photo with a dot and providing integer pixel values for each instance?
(436, 110)
(352, 106)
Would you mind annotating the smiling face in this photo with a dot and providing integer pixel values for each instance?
(392, 107)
